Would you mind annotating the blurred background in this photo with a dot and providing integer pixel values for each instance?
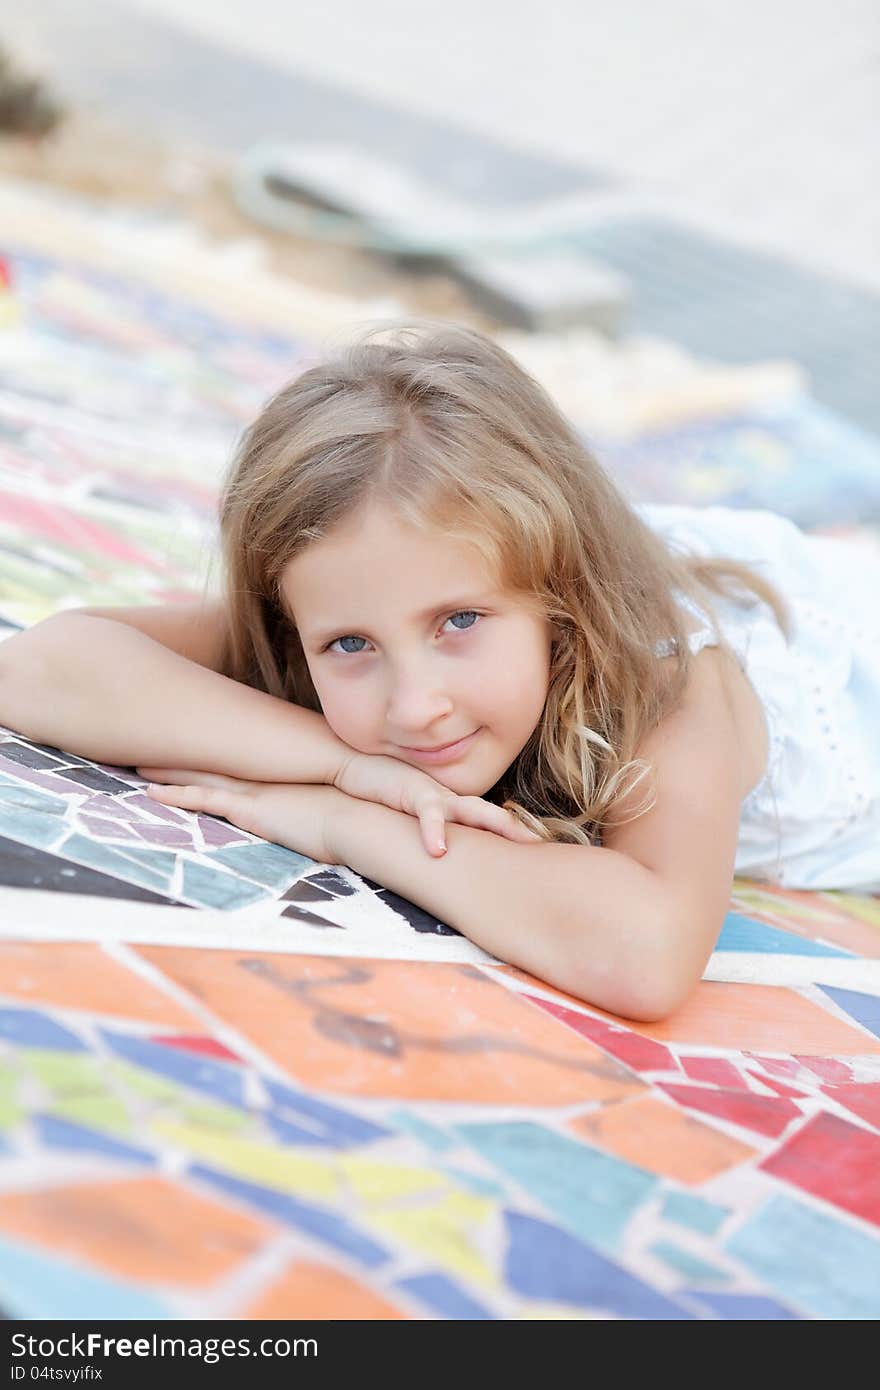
(669, 214)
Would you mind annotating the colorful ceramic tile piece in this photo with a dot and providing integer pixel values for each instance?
(591, 1193)
(35, 1284)
(863, 1007)
(444, 1296)
(810, 1260)
(319, 1291)
(685, 1209)
(862, 1100)
(653, 1133)
(738, 1307)
(760, 1114)
(396, 1029)
(79, 975)
(639, 1053)
(146, 1229)
(313, 1220)
(834, 1160)
(544, 1262)
(744, 934)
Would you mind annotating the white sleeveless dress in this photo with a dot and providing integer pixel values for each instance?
(813, 821)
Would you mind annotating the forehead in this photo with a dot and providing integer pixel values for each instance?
(380, 555)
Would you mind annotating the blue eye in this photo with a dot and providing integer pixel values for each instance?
(349, 637)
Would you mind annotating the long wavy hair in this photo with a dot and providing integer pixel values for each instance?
(440, 426)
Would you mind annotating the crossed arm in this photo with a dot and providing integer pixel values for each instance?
(590, 921)
(628, 927)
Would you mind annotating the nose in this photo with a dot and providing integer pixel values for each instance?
(415, 706)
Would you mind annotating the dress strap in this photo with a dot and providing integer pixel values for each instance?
(697, 640)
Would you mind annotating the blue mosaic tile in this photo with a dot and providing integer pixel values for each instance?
(272, 865)
(324, 1122)
(545, 1263)
(591, 1193)
(864, 1008)
(686, 1209)
(118, 863)
(211, 888)
(743, 934)
(26, 866)
(445, 1296)
(815, 1261)
(25, 795)
(430, 1135)
(691, 1266)
(313, 1220)
(42, 829)
(36, 1285)
(202, 1074)
(743, 1307)
(474, 1182)
(28, 1028)
(63, 1134)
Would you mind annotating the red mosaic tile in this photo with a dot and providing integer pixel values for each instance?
(828, 1068)
(779, 1087)
(777, 1066)
(834, 1160)
(863, 1100)
(763, 1114)
(715, 1070)
(205, 1047)
(635, 1051)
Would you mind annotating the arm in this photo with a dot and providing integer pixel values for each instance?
(106, 690)
(628, 927)
(589, 921)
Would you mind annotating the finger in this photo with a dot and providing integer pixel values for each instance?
(433, 827)
(485, 816)
(187, 777)
(168, 774)
(190, 798)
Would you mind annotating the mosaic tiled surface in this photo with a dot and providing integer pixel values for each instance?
(345, 1109)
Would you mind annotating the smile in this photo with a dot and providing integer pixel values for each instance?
(445, 753)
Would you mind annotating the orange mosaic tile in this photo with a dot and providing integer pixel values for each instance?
(658, 1137)
(837, 918)
(744, 1017)
(396, 1028)
(148, 1229)
(80, 975)
(755, 1017)
(310, 1290)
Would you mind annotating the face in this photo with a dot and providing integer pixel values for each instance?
(412, 645)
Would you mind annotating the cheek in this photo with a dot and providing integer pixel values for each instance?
(348, 716)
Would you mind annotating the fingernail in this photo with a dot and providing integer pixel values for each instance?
(442, 845)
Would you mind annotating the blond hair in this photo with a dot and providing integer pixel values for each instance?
(440, 426)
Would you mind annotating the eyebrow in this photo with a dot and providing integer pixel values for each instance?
(451, 605)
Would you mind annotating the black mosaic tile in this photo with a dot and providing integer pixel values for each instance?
(25, 866)
(417, 918)
(300, 914)
(27, 756)
(95, 780)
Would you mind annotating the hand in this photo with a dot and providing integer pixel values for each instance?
(374, 777)
(300, 817)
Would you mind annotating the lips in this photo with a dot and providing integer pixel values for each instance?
(439, 747)
(443, 753)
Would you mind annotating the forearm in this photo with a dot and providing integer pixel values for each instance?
(588, 920)
(106, 691)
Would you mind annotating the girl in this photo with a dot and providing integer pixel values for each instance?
(442, 619)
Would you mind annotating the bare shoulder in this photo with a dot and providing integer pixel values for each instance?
(196, 630)
(705, 757)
